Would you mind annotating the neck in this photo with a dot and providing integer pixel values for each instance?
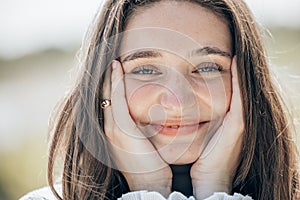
(181, 181)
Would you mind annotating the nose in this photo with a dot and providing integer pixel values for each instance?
(178, 93)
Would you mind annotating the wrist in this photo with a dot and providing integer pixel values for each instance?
(206, 187)
(160, 181)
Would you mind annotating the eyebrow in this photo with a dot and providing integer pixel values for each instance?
(142, 54)
(210, 50)
(154, 54)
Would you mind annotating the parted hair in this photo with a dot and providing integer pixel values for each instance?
(268, 164)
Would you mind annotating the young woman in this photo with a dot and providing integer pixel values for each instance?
(174, 95)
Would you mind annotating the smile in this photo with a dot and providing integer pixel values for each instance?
(175, 129)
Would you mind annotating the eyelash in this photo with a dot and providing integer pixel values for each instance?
(208, 67)
(149, 69)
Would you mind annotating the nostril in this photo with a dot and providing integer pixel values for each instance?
(181, 99)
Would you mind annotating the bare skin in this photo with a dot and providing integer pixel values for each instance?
(196, 106)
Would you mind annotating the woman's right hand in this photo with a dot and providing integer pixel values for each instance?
(133, 153)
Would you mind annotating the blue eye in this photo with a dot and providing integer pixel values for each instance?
(207, 67)
(145, 70)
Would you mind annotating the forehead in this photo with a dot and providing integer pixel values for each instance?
(175, 26)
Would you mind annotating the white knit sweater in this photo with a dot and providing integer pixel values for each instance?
(46, 194)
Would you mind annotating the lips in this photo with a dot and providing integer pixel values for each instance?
(171, 128)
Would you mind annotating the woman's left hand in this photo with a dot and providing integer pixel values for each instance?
(216, 166)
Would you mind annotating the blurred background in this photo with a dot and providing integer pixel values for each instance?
(38, 44)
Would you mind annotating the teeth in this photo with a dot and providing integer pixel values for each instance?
(176, 126)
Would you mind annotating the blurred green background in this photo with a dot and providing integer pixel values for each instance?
(32, 84)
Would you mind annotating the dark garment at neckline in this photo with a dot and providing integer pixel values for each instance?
(181, 180)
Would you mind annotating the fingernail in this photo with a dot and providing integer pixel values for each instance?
(114, 64)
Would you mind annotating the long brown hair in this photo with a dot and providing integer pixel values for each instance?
(267, 169)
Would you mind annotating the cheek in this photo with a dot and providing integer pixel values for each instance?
(140, 98)
(216, 94)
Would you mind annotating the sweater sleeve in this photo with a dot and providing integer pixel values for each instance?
(145, 195)
(46, 194)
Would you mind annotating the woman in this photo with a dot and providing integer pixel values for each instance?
(174, 96)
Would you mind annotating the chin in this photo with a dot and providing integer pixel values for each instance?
(180, 154)
(183, 160)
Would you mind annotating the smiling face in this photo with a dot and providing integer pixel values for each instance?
(176, 58)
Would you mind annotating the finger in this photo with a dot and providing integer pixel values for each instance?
(236, 107)
(108, 118)
(106, 90)
(229, 133)
(119, 106)
(234, 119)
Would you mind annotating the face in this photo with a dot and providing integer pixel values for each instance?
(176, 58)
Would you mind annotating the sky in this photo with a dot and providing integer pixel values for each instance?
(32, 25)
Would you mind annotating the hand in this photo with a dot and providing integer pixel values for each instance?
(133, 153)
(216, 166)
